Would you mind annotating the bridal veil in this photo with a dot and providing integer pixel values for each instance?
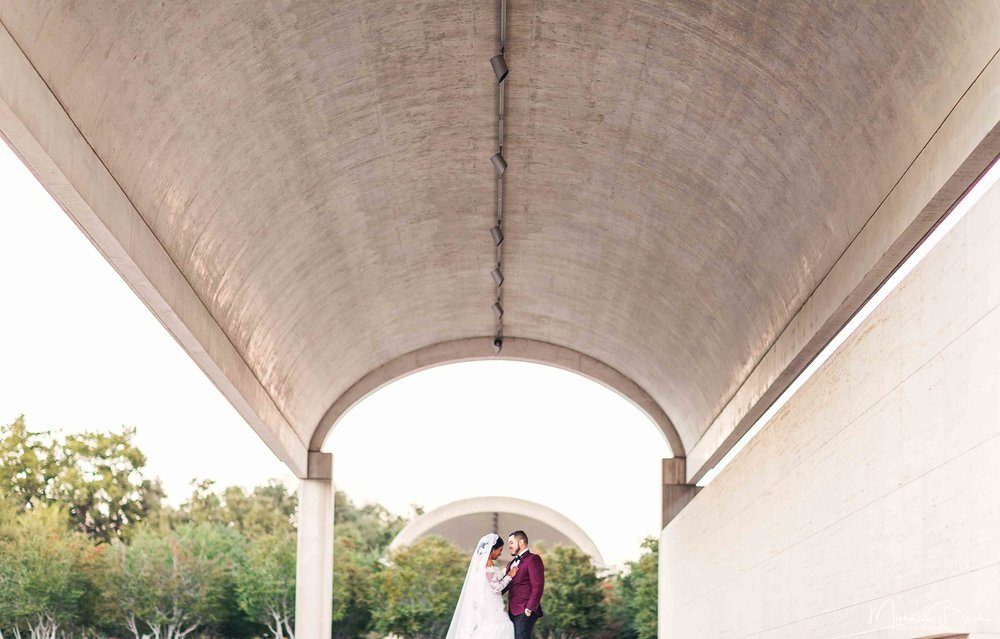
(476, 603)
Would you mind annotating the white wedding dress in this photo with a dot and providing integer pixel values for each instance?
(480, 613)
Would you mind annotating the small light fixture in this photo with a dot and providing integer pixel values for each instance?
(499, 163)
(497, 234)
(497, 309)
(497, 276)
(497, 344)
(499, 67)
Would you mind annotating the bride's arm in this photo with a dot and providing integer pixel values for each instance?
(495, 584)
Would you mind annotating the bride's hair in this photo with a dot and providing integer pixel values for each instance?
(499, 543)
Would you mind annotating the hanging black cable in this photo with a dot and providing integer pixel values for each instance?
(499, 64)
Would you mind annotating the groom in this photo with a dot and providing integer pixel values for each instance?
(524, 601)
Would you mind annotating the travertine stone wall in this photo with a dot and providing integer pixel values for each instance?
(870, 506)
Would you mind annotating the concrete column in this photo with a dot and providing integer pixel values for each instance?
(676, 493)
(314, 558)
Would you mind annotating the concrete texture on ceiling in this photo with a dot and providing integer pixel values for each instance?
(682, 174)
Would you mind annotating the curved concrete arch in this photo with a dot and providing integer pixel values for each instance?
(514, 349)
(521, 509)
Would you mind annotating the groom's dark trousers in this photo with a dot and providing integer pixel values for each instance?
(523, 625)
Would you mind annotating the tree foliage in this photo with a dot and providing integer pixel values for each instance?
(574, 595)
(27, 465)
(265, 583)
(100, 479)
(96, 477)
(633, 599)
(266, 510)
(47, 576)
(354, 575)
(170, 584)
(88, 549)
(371, 528)
(419, 588)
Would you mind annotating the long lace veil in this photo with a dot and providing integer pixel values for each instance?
(474, 598)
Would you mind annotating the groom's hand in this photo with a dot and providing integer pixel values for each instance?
(527, 612)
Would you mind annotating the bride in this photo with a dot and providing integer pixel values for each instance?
(480, 613)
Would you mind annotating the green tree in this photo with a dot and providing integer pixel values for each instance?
(97, 477)
(266, 510)
(48, 576)
(203, 506)
(419, 588)
(101, 482)
(634, 598)
(28, 464)
(265, 583)
(158, 513)
(619, 617)
(171, 584)
(371, 527)
(574, 595)
(354, 577)
(644, 582)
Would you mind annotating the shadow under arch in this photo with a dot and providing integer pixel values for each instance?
(433, 522)
(514, 349)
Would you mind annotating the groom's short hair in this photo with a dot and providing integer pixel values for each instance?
(520, 535)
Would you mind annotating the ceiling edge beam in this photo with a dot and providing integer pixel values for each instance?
(956, 154)
(47, 140)
(514, 349)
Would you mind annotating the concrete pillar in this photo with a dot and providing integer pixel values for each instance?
(676, 493)
(314, 558)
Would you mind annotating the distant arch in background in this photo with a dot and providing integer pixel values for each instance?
(464, 522)
(514, 349)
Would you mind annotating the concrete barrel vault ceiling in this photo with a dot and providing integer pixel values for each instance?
(682, 174)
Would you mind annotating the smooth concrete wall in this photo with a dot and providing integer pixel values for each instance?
(870, 505)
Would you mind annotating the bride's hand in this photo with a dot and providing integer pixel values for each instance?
(512, 571)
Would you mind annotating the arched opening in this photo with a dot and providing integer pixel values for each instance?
(515, 349)
(463, 522)
(511, 429)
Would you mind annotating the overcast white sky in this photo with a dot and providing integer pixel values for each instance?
(79, 351)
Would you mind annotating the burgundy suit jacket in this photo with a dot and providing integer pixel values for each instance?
(526, 588)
